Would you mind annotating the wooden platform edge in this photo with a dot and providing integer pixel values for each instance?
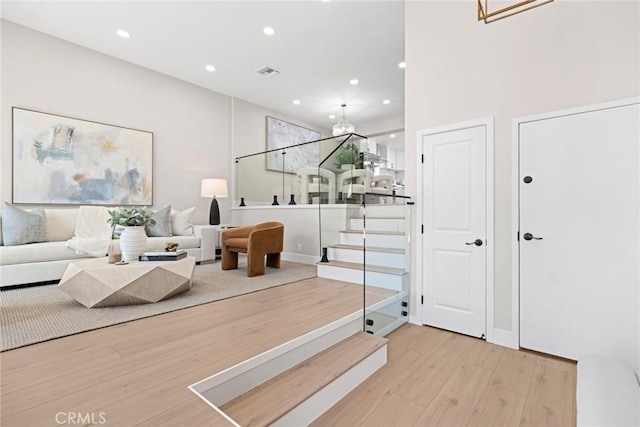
(257, 407)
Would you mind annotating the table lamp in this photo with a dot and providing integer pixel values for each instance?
(214, 188)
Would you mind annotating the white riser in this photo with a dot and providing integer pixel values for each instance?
(386, 210)
(379, 240)
(383, 259)
(377, 224)
(381, 280)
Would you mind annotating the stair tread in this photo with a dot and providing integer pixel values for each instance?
(259, 407)
(369, 248)
(372, 268)
(389, 233)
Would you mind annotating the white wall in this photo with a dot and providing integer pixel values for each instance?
(190, 125)
(380, 126)
(557, 56)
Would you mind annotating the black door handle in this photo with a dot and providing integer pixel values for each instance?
(477, 242)
(529, 236)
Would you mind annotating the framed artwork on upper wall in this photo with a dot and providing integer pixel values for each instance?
(281, 134)
(62, 160)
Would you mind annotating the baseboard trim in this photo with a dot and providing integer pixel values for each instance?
(303, 259)
(504, 338)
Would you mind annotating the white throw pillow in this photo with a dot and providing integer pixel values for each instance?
(182, 222)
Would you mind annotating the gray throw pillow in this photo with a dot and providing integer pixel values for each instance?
(117, 231)
(20, 227)
(163, 223)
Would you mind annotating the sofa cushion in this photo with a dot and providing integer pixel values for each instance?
(163, 223)
(182, 222)
(20, 227)
(61, 223)
(37, 252)
(156, 244)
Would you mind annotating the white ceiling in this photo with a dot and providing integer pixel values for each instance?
(318, 47)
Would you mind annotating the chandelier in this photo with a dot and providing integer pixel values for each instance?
(514, 9)
(343, 126)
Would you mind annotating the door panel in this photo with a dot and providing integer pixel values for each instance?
(454, 209)
(579, 284)
(452, 284)
(451, 201)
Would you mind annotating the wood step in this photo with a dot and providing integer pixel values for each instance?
(357, 266)
(368, 248)
(268, 402)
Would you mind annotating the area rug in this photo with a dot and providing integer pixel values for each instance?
(40, 313)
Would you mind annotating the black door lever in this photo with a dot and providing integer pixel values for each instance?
(529, 236)
(477, 242)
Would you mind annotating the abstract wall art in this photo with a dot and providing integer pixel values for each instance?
(61, 160)
(281, 134)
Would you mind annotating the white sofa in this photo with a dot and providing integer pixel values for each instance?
(607, 393)
(47, 261)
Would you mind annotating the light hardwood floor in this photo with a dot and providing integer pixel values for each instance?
(438, 378)
(137, 373)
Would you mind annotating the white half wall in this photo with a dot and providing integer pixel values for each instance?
(301, 226)
(561, 55)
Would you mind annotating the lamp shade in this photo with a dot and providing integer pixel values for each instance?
(214, 188)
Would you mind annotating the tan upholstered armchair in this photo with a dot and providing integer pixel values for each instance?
(256, 241)
(312, 181)
(382, 184)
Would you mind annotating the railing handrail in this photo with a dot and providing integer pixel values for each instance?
(348, 136)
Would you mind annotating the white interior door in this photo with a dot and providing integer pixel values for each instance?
(454, 244)
(579, 263)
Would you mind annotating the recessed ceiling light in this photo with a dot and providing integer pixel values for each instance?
(386, 101)
(269, 31)
(332, 116)
(354, 81)
(402, 64)
(296, 101)
(393, 135)
(122, 33)
(210, 68)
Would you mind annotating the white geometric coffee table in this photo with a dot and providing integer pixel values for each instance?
(96, 283)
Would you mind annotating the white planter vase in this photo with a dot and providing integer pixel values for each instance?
(133, 241)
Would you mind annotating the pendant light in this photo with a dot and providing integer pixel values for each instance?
(343, 126)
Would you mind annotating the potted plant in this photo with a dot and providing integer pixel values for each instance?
(348, 157)
(134, 217)
(133, 239)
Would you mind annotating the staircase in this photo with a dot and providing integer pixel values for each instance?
(269, 394)
(384, 263)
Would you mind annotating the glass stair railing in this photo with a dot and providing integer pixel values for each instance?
(364, 226)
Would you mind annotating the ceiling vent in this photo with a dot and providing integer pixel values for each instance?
(267, 71)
